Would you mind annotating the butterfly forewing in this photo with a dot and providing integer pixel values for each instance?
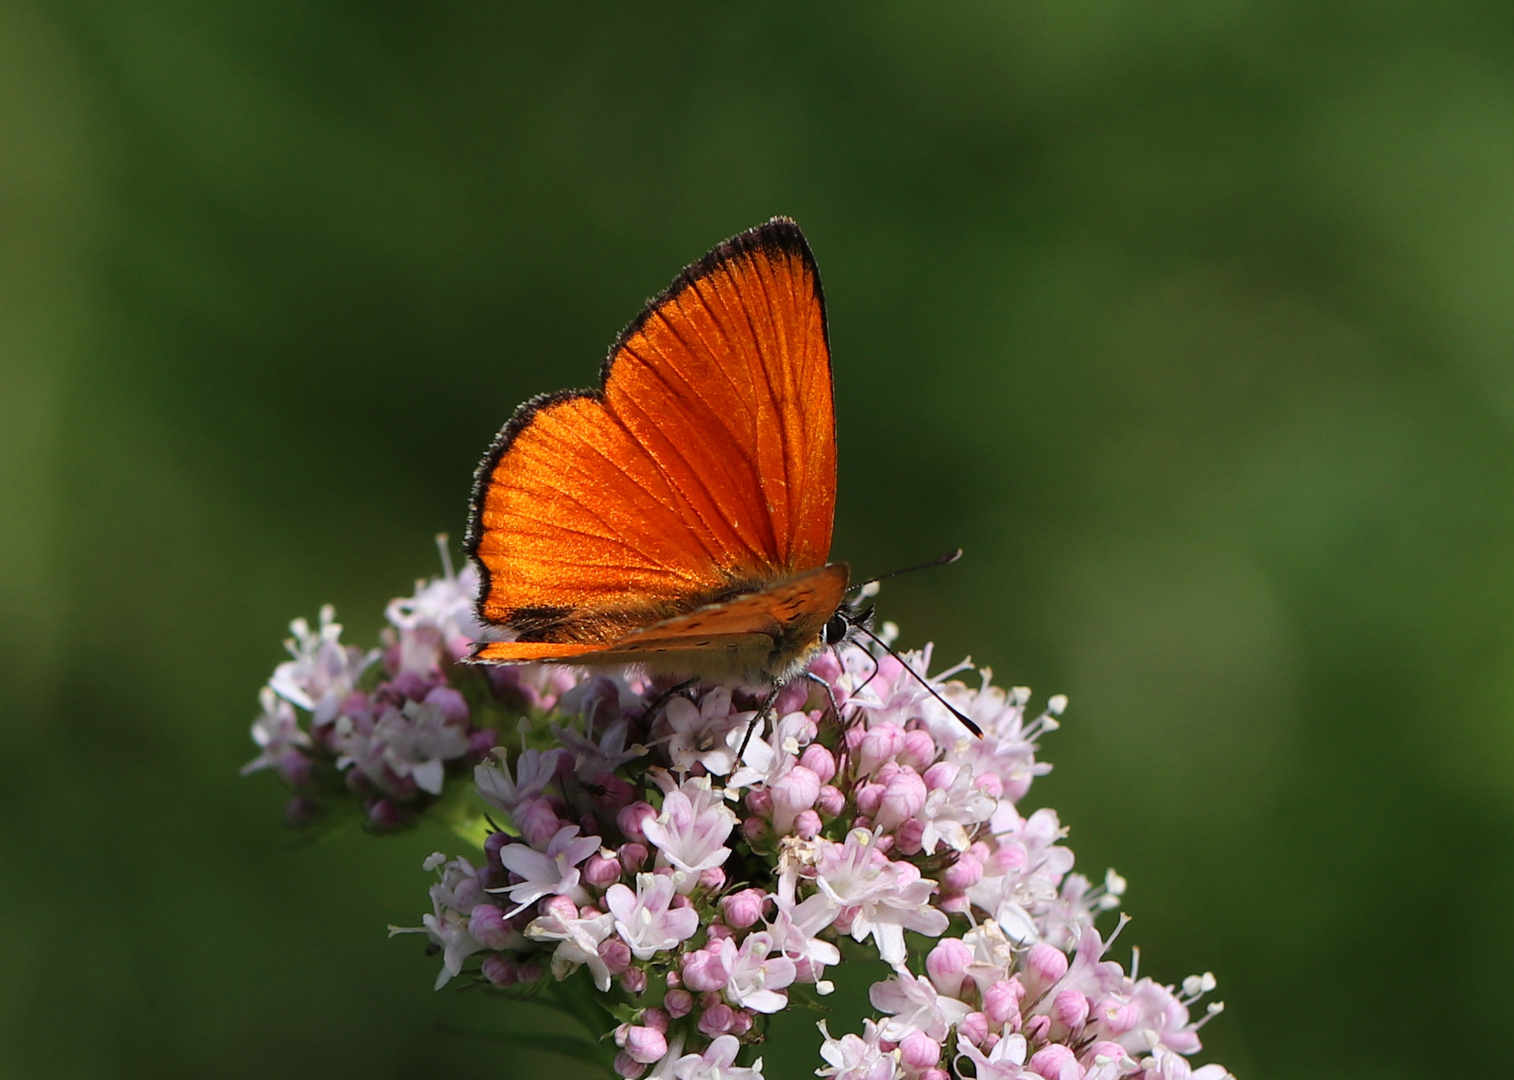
(703, 467)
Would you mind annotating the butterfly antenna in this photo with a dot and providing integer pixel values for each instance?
(963, 720)
(943, 560)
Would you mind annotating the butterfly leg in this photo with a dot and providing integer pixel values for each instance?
(829, 693)
(762, 711)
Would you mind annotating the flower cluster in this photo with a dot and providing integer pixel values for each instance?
(383, 731)
(701, 859)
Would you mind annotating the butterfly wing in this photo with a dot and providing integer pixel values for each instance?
(766, 631)
(702, 470)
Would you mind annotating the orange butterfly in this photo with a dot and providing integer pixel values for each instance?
(680, 516)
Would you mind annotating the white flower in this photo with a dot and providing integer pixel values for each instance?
(578, 943)
(756, 976)
(323, 671)
(555, 872)
(857, 1057)
(889, 897)
(534, 770)
(716, 1063)
(949, 812)
(276, 731)
(646, 919)
(1004, 1062)
(709, 734)
(691, 832)
(913, 1005)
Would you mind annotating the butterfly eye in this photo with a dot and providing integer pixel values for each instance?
(836, 629)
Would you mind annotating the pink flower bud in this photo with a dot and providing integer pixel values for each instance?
(537, 822)
(742, 909)
(741, 1022)
(630, 820)
(964, 873)
(831, 802)
(634, 980)
(646, 1044)
(807, 825)
(489, 926)
(560, 906)
(501, 969)
(1002, 1001)
(703, 971)
(678, 1003)
(937, 1073)
(868, 798)
(909, 834)
(940, 775)
(946, 964)
(826, 665)
(656, 1019)
(794, 791)
(616, 954)
(1056, 1062)
(452, 705)
(754, 828)
(716, 1020)
(494, 843)
(879, 744)
(791, 698)
(973, 1028)
(627, 1066)
(820, 761)
(1070, 1008)
(919, 1051)
(885, 843)
(853, 737)
(712, 880)
(633, 856)
(1111, 1051)
(1046, 962)
(919, 750)
(990, 785)
(531, 971)
(601, 872)
(759, 801)
(903, 796)
(385, 813)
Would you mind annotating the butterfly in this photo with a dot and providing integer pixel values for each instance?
(679, 517)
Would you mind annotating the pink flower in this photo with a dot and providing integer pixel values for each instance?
(718, 1062)
(644, 918)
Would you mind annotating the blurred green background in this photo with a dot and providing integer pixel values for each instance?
(1191, 322)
